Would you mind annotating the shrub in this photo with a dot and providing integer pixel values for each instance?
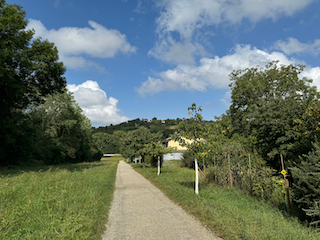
(187, 160)
(153, 161)
(306, 184)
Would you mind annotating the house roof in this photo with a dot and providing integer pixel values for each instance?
(167, 140)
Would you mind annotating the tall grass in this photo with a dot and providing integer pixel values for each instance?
(59, 202)
(230, 213)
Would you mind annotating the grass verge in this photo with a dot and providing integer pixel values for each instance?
(59, 202)
(230, 213)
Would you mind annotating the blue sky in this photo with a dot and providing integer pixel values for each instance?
(129, 59)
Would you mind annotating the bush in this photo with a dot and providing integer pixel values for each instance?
(187, 160)
(306, 184)
(153, 161)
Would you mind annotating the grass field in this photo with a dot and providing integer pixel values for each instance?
(230, 213)
(59, 202)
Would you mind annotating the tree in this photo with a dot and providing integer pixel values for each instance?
(193, 129)
(108, 143)
(63, 133)
(265, 104)
(307, 183)
(140, 142)
(29, 71)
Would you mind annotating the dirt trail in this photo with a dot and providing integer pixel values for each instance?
(141, 211)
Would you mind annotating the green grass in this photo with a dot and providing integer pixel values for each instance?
(59, 202)
(230, 213)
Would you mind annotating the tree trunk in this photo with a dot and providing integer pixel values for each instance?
(286, 185)
(204, 168)
(230, 173)
(143, 163)
(250, 169)
(215, 168)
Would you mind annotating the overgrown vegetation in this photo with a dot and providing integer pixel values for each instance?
(230, 213)
(154, 125)
(40, 122)
(271, 125)
(109, 138)
(57, 202)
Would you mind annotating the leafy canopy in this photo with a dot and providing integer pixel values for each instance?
(265, 104)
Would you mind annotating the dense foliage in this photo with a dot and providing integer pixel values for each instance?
(167, 127)
(142, 142)
(39, 121)
(266, 102)
(307, 183)
(274, 114)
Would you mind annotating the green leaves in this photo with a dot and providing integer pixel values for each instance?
(265, 104)
(307, 182)
(142, 142)
(29, 71)
(63, 132)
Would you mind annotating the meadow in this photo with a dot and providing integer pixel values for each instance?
(57, 202)
(230, 213)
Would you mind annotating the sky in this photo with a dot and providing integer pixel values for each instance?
(129, 59)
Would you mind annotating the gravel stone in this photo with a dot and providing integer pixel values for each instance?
(141, 211)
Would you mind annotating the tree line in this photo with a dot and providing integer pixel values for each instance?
(267, 142)
(40, 121)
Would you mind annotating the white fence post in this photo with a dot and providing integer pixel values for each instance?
(197, 177)
(158, 165)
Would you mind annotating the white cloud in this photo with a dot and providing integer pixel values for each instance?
(186, 17)
(292, 45)
(312, 73)
(73, 42)
(226, 100)
(95, 104)
(214, 72)
(140, 9)
(177, 52)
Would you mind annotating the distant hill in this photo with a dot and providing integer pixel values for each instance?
(167, 126)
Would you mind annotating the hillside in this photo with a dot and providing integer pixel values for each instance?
(167, 126)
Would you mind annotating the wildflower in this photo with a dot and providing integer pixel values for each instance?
(280, 182)
(273, 179)
(283, 172)
(209, 150)
(190, 114)
(223, 131)
(202, 153)
(198, 144)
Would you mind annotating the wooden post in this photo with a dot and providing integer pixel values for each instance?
(215, 168)
(230, 173)
(204, 168)
(158, 165)
(143, 162)
(286, 185)
(197, 177)
(249, 165)
(250, 168)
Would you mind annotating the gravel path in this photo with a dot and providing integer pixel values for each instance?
(141, 211)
